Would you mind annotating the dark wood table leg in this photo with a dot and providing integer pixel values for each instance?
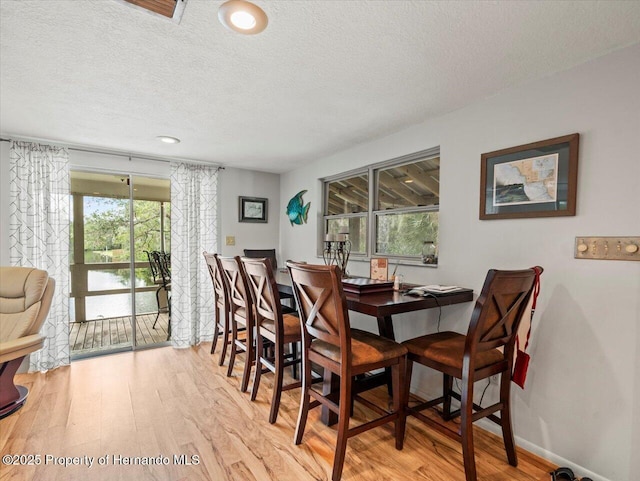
(385, 328)
(330, 384)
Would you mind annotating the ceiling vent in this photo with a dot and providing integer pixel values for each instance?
(171, 9)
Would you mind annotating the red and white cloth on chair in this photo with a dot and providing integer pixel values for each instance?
(521, 364)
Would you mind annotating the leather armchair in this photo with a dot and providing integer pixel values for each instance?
(25, 299)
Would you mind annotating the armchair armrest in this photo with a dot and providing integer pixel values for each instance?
(22, 346)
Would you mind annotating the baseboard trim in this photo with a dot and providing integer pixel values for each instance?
(579, 471)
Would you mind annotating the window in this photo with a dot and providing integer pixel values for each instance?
(389, 209)
(347, 206)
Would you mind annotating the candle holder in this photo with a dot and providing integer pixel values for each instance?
(337, 249)
(429, 253)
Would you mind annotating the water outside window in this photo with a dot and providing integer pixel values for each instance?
(101, 252)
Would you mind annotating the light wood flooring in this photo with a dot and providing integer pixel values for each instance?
(101, 334)
(165, 402)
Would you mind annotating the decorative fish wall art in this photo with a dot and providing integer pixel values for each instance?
(296, 210)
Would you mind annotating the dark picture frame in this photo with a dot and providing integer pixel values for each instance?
(532, 180)
(252, 209)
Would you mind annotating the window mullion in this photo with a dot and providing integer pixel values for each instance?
(373, 199)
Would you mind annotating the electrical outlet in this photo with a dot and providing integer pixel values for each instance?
(230, 240)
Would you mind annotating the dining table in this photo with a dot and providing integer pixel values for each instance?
(381, 305)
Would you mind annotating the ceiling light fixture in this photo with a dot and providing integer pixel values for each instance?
(243, 17)
(168, 140)
(408, 181)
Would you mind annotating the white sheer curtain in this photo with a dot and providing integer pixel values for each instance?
(193, 230)
(39, 235)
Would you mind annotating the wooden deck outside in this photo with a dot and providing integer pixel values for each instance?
(102, 334)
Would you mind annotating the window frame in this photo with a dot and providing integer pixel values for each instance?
(325, 208)
(373, 214)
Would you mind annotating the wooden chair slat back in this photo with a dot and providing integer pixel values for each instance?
(263, 288)
(216, 276)
(322, 303)
(235, 277)
(500, 308)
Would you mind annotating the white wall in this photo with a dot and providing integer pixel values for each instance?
(234, 183)
(582, 399)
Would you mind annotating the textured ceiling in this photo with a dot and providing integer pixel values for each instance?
(324, 76)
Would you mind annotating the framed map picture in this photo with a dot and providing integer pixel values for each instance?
(532, 180)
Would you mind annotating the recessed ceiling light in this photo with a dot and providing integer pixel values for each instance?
(168, 140)
(243, 17)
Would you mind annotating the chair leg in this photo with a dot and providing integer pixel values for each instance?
(225, 337)
(447, 386)
(397, 374)
(505, 417)
(9, 392)
(234, 348)
(258, 373)
(343, 427)
(158, 302)
(216, 333)
(248, 360)
(466, 429)
(353, 398)
(169, 324)
(405, 395)
(295, 367)
(304, 400)
(277, 384)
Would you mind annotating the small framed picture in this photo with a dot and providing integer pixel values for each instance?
(379, 268)
(253, 209)
(532, 180)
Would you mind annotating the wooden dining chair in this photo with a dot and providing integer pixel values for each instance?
(281, 330)
(261, 254)
(289, 307)
(328, 341)
(221, 305)
(240, 315)
(486, 350)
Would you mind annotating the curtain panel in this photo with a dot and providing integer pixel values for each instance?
(39, 235)
(193, 230)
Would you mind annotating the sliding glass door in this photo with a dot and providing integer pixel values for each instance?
(119, 223)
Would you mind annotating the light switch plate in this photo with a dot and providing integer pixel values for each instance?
(608, 248)
(230, 240)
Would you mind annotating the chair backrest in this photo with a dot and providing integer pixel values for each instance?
(238, 288)
(322, 304)
(160, 265)
(215, 271)
(164, 261)
(25, 299)
(499, 310)
(264, 291)
(262, 253)
(153, 265)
